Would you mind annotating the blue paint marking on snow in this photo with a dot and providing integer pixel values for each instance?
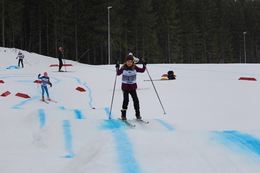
(42, 117)
(239, 142)
(166, 125)
(12, 67)
(90, 98)
(126, 157)
(89, 95)
(78, 114)
(18, 106)
(62, 108)
(78, 80)
(124, 147)
(68, 139)
(112, 124)
(107, 110)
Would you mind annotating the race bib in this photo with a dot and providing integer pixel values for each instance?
(129, 76)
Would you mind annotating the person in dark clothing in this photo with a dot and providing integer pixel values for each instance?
(171, 75)
(129, 86)
(20, 58)
(60, 57)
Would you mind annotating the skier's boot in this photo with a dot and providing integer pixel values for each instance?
(123, 115)
(137, 115)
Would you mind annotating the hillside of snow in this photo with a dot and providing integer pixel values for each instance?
(211, 123)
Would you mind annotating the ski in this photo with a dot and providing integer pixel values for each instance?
(44, 101)
(54, 101)
(142, 121)
(127, 123)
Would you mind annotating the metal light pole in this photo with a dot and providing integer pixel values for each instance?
(244, 33)
(108, 33)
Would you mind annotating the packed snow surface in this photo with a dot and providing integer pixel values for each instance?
(211, 123)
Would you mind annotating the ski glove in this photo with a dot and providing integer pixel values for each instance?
(50, 84)
(117, 66)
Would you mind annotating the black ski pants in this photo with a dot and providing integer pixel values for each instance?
(20, 61)
(135, 100)
(60, 64)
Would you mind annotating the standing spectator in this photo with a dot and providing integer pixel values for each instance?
(60, 57)
(20, 58)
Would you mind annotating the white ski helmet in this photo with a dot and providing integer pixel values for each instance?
(136, 60)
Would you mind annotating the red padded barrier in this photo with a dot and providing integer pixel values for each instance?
(22, 95)
(80, 89)
(57, 65)
(247, 78)
(5, 94)
(37, 81)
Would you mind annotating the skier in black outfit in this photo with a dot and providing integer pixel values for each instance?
(60, 57)
(20, 58)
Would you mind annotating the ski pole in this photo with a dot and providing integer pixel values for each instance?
(112, 100)
(155, 91)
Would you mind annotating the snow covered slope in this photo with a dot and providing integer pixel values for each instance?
(211, 123)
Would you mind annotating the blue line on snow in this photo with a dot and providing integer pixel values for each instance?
(42, 117)
(12, 67)
(107, 110)
(62, 108)
(166, 125)
(78, 114)
(89, 95)
(124, 147)
(90, 98)
(125, 152)
(18, 106)
(239, 141)
(112, 124)
(68, 139)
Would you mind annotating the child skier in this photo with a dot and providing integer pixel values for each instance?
(20, 58)
(44, 81)
(129, 86)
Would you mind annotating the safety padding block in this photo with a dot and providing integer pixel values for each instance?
(5, 94)
(57, 65)
(80, 89)
(1, 81)
(22, 95)
(37, 81)
(164, 77)
(248, 78)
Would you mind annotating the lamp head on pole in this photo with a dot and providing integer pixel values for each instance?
(244, 33)
(109, 7)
